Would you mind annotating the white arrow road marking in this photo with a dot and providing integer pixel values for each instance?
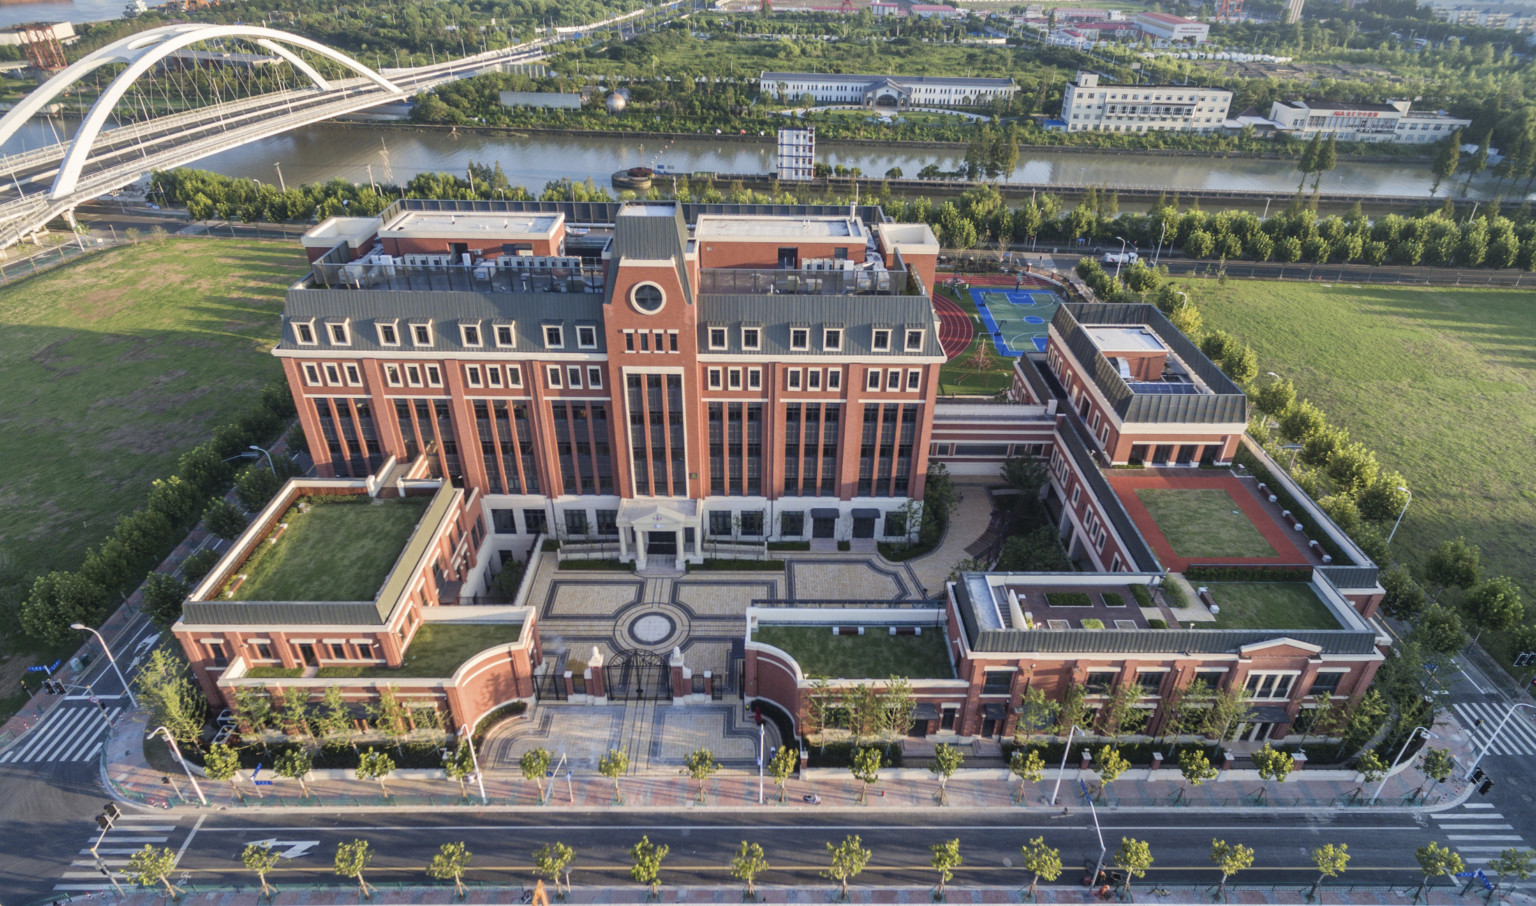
(294, 848)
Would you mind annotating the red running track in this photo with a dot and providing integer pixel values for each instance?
(955, 327)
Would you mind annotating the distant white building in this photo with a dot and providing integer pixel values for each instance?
(1086, 105)
(1393, 121)
(797, 153)
(1173, 29)
(886, 91)
(941, 10)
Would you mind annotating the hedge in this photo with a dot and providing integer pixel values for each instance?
(1068, 599)
(840, 754)
(1199, 574)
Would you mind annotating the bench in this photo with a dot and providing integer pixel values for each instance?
(1205, 596)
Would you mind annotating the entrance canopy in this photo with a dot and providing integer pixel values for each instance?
(642, 522)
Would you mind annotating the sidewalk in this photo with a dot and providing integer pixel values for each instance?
(134, 781)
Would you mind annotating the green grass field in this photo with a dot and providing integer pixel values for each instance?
(333, 552)
(958, 377)
(875, 655)
(1440, 382)
(1203, 523)
(1268, 605)
(112, 367)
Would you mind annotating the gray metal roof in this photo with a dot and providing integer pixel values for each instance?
(856, 315)
(279, 613)
(642, 232)
(528, 311)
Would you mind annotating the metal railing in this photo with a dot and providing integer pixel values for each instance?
(484, 277)
(856, 281)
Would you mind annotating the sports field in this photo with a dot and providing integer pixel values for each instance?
(1017, 320)
(1439, 381)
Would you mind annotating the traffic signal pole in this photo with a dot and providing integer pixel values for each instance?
(1497, 730)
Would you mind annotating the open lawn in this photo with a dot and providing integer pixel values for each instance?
(334, 552)
(114, 366)
(1439, 381)
(437, 650)
(960, 377)
(1268, 605)
(875, 655)
(1203, 523)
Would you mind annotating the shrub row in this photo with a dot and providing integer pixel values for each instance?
(1198, 574)
(840, 755)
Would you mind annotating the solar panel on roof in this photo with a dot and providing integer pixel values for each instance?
(1162, 387)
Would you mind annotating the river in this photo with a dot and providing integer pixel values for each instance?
(396, 153)
(60, 11)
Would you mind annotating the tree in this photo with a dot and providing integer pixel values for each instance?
(1331, 861)
(1038, 551)
(1479, 161)
(1036, 713)
(613, 766)
(1437, 765)
(1444, 165)
(1454, 564)
(1435, 860)
(898, 709)
(946, 858)
(255, 486)
(260, 859)
(1513, 863)
(947, 759)
(1120, 715)
(846, 860)
(553, 861)
(221, 762)
(449, 865)
(295, 714)
(784, 763)
(1072, 710)
(460, 765)
(333, 721)
(747, 865)
(1028, 766)
(1404, 599)
(253, 712)
(1042, 861)
(1301, 421)
(388, 715)
(1370, 766)
(866, 769)
(1307, 163)
(700, 764)
(375, 765)
(224, 519)
(534, 765)
(1109, 764)
(352, 860)
(1275, 397)
(1229, 709)
(1494, 605)
(1229, 859)
(171, 697)
(150, 866)
(1196, 767)
(1273, 764)
(59, 599)
(646, 857)
(1327, 159)
(1025, 474)
(1133, 857)
(199, 564)
(1439, 631)
(295, 764)
(162, 595)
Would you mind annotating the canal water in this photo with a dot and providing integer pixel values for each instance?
(60, 11)
(396, 153)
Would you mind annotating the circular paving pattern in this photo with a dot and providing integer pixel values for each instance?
(653, 626)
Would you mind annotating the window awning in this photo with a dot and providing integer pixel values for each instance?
(925, 711)
(824, 512)
(1270, 714)
(866, 513)
(995, 711)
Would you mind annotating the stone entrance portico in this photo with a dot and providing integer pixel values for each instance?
(655, 529)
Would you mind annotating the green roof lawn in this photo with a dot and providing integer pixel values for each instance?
(874, 655)
(1203, 523)
(437, 650)
(334, 552)
(1268, 605)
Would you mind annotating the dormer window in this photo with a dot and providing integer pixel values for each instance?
(470, 334)
(339, 332)
(506, 337)
(304, 332)
(586, 336)
(717, 338)
(799, 338)
(832, 339)
(882, 340)
(421, 334)
(914, 341)
(751, 338)
(554, 336)
(389, 334)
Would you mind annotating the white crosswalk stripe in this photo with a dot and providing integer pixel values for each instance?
(1477, 832)
(131, 832)
(1517, 738)
(70, 733)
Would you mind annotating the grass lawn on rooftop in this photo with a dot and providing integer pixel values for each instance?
(437, 650)
(959, 377)
(1439, 381)
(1268, 605)
(1202, 523)
(334, 552)
(874, 655)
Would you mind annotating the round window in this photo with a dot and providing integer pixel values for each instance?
(647, 298)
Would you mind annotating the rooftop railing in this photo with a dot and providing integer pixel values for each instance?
(856, 281)
(489, 276)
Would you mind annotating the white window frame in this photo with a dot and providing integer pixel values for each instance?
(875, 339)
(312, 375)
(828, 336)
(917, 332)
(573, 377)
(511, 330)
(332, 374)
(493, 376)
(671, 341)
(1270, 679)
(394, 327)
(834, 378)
(298, 334)
(559, 334)
(464, 334)
(792, 379)
(422, 325)
(717, 337)
(352, 373)
(582, 327)
(805, 339)
(756, 342)
(472, 376)
(434, 374)
(413, 375)
(914, 379)
(553, 377)
(754, 378)
(341, 328)
(392, 375)
(733, 378)
(893, 380)
(813, 379)
(716, 378)
(872, 379)
(515, 376)
(594, 377)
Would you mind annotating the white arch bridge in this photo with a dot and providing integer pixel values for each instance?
(42, 184)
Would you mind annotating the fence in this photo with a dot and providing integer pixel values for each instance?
(42, 262)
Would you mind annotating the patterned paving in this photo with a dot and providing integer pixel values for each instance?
(656, 736)
(850, 579)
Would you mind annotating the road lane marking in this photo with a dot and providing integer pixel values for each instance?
(858, 828)
(1515, 837)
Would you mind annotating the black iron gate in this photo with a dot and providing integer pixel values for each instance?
(638, 675)
(550, 685)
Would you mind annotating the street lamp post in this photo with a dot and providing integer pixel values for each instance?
(176, 750)
(1400, 515)
(1159, 253)
(760, 753)
(1400, 753)
(1496, 731)
(263, 451)
(1099, 868)
(1121, 259)
(475, 760)
(1068, 748)
(280, 182)
(120, 678)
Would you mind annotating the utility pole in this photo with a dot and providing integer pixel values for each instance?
(281, 184)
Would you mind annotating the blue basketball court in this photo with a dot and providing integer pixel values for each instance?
(1016, 320)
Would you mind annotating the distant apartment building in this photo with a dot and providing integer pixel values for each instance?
(886, 91)
(1393, 121)
(797, 153)
(1515, 17)
(939, 10)
(1087, 105)
(1173, 29)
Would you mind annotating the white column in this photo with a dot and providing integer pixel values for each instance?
(682, 551)
(639, 548)
(624, 542)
